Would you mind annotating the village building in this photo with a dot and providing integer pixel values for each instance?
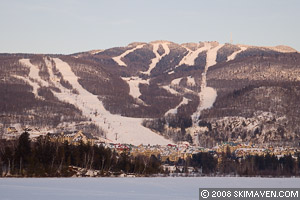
(74, 138)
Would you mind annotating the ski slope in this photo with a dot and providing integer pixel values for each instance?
(118, 58)
(176, 81)
(207, 95)
(134, 83)
(190, 81)
(158, 57)
(174, 110)
(169, 89)
(234, 54)
(34, 79)
(191, 56)
(211, 56)
(118, 128)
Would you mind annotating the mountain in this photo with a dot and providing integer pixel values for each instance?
(158, 93)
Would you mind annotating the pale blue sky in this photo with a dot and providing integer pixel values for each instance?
(69, 26)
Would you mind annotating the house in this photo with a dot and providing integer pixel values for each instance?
(74, 138)
(11, 130)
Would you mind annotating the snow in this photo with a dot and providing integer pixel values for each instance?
(234, 54)
(174, 110)
(134, 83)
(207, 95)
(158, 57)
(211, 56)
(191, 81)
(169, 89)
(190, 58)
(167, 188)
(35, 80)
(176, 81)
(93, 52)
(118, 58)
(119, 129)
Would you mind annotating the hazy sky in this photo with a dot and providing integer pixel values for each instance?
(69, 26)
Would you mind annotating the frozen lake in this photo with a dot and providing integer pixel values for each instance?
(126, 188)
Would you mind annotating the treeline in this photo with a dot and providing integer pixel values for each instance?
(42, 158)
(47, 159)
(252, 165)
(171, 127)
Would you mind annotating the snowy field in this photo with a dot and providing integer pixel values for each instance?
(127, 188)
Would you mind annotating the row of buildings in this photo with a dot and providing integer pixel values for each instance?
(169, 152)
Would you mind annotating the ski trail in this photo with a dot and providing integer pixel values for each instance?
(176, 81)
(207, 95)
(191, 81)
(169, 89)
(234, 54)
(158, 57)
(134, 83)
(119, 129)
(211, 56)
(34, 79)
(174, 110)
(190, 58)
(118, 58)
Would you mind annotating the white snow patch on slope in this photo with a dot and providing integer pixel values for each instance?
(118, 58)
(134, 83)
(176, 81)
(119, 129)
(174, 110)
(35, 80)
(234, 54)
(158, 57)
(211, 56)
(96, 51)
(169, 89)
(190, 58)
(207, 95)
(191, 81)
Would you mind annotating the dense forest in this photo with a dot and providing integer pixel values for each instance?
(42, 158)
(47, 159)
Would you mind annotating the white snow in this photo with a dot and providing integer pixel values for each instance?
(174, 110)
(167, 188)
(158, 57)
(207, 95)
(211, 56)
(234, 54)
(118, 58)
(169, 89)
(96, 51)
(191, 81)
(119, 129)
(34, 79)
(176, 81)
(134, 83)
(190, 58)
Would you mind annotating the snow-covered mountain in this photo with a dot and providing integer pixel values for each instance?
(157, 93)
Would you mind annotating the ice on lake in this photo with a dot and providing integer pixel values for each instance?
(127, 188)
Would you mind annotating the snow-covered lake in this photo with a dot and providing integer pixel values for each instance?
(127, 188)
